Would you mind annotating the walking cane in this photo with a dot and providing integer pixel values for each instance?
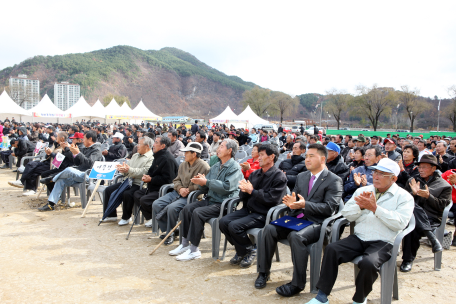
(164, 239)
(41, 190)
(136, 216)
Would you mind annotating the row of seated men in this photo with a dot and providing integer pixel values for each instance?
(380, 210)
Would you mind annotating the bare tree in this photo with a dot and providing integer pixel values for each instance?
(284, 103)
(450, 111)
(338, 102)
(21, 93)
(414, 104)
(373, 102)
(259, 100)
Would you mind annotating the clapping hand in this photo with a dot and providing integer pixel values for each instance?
(401, 165)
(199, 180)
(424, 193)
(415, 186)
(383, 155)
(440, 159)
(74, 149)
(290, 201)
(452, 178)
(366, 200)
(123, 168)
(364, 180)
(245, 166)
(245, 186)
(357, 178)
(146, 178)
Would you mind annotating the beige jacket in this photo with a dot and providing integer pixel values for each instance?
(139, 165)
(186, 173)
(214, 147)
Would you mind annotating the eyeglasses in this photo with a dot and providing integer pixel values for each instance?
(382, 174)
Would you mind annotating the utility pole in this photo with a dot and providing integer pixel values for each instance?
(438, 119)
(397, 111)
(321, 111)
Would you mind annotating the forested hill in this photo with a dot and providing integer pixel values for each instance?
(170, 81)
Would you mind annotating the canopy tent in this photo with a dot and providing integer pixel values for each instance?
(98, 109)
(9, 107)
(113, 110)
(46, 108)
(251, 118)
(143, 113)
(228, 117)
(126, 110)
(83, 109)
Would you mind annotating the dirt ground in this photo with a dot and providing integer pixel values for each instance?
(59, 257)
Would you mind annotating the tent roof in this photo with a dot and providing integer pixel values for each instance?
(8, 106)
(126, 110)
(251, 117)
(143, 112)
(113, 108)
(83, 109)
(47, 108)
(227, 114)
(99, 109)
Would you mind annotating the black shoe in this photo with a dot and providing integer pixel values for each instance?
(47, 207)
(436, 246)
(248, 259)
(162, 236)
(236, 260)
(169, 240)
(15, 170)
(260, 282)
(46, 180)
(288, 290)
(406, 266)
(176, 232)
(454, 241)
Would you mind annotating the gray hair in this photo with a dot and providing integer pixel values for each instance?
(290, 136)
(64, 135)
(443, 142)
(164, 140)
(147, 141)
(231, 144)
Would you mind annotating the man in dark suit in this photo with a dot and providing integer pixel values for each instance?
(315, 197)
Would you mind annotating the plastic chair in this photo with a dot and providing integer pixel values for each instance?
(440, 233)
(316, 249)
(214, 222)
(240, 155)
(39, 157)
(388, 271)
(180, 159)
(163, 191)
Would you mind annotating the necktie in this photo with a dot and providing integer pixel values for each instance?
(311, 182)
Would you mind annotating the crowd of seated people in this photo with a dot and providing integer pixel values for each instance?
(383, 182)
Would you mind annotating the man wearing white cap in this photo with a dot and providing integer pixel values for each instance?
(117, 150)
(380, 211)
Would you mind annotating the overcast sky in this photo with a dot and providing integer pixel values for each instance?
(287, 46)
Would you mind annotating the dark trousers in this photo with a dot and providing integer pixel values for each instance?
(194, 216)
(411, 242)
(127, 199)
(31, 171)
(5, 156)
(235, 225)
(374, 253)
(145, 199)
(298, 245)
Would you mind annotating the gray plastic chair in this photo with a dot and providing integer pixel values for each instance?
(163, 190)
(388, 271)
(439, 233)
(240, 155)
(316, 249)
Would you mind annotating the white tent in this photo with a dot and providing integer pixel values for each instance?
(9, 107)
(143, 113)
(113, 110)
(98, 109)
(83, 109)
(126, 110)
(46, 109)
(225, 116)
(251, 118)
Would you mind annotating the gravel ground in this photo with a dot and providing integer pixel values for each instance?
(59, 257)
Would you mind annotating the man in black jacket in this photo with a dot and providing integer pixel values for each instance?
(83, 160)
(294, 165)
(22, 147)
(195, 127)
(128, 140)
(335, 162)
(315, 197)
(163, 170)
(117, 150)
(264, 190)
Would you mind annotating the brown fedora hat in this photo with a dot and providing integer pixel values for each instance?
(429, 159)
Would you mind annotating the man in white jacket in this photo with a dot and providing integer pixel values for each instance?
(380, 212)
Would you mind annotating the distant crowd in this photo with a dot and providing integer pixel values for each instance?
(311, 178)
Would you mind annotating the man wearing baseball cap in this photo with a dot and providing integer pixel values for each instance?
(117, 150)
(335, 162)
(390, 149)
(380, 211)
(431, 194)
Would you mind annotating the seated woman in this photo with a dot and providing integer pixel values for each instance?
(251, 164)
(358, 159)
(408, 165)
